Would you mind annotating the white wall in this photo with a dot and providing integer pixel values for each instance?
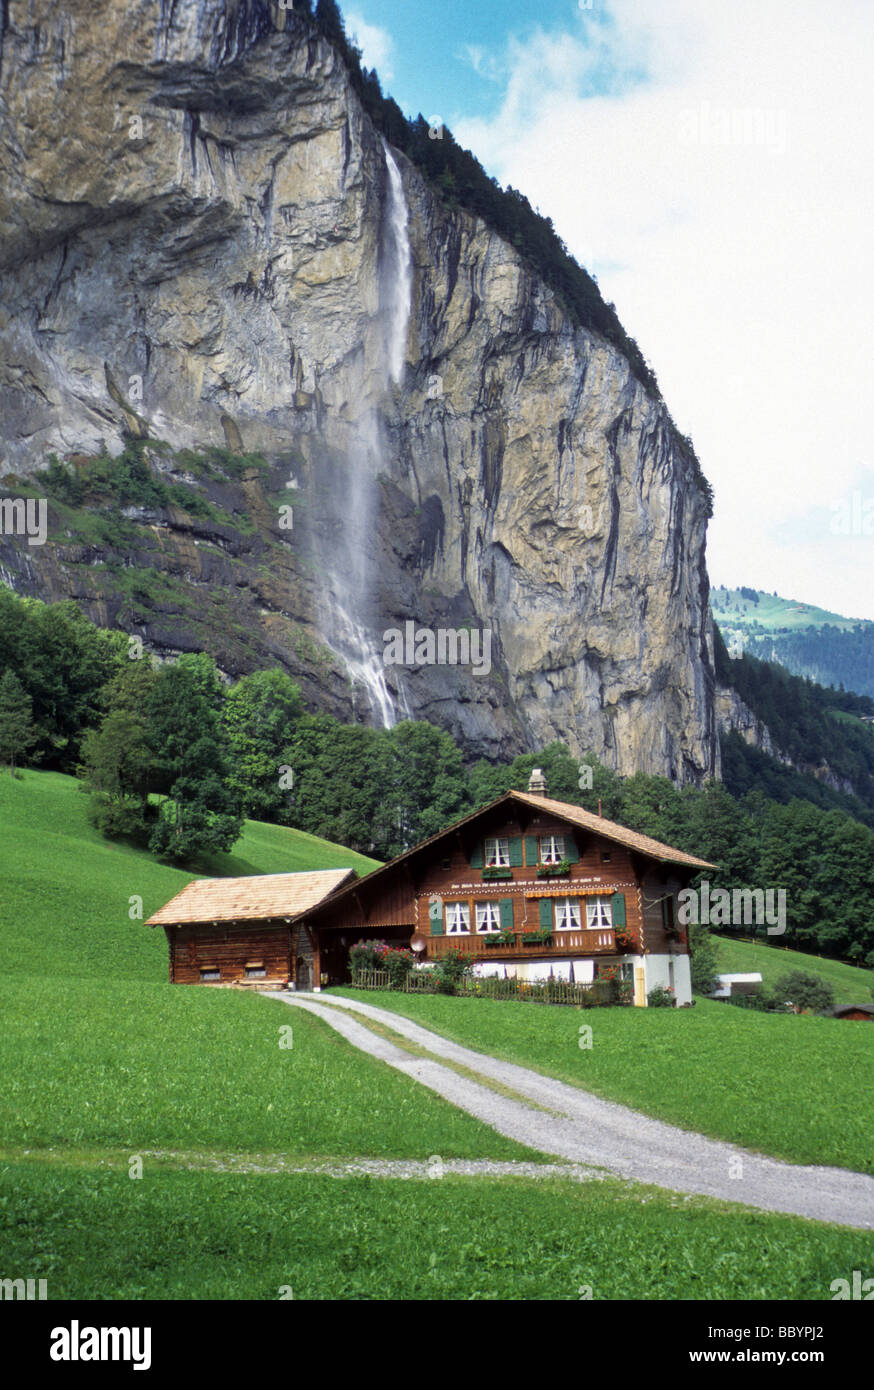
(660, 975)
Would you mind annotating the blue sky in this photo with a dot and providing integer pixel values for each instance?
(449, 59)
(710, 163)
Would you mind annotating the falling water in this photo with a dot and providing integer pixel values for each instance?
(350, 592)
(401, 266)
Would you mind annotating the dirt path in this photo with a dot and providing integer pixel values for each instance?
(583, 1129)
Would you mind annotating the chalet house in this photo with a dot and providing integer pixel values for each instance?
(528, 886)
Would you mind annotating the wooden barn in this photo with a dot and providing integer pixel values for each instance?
(528, 886)
(243, 931)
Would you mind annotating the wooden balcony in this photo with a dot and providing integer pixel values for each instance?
(594, 941)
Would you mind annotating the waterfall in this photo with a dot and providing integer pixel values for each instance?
(349, 626)
(401, 263)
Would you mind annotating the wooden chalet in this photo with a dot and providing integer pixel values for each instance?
(528, 886)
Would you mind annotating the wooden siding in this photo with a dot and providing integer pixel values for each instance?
(452, 879)
(659, 942)
(229, 949)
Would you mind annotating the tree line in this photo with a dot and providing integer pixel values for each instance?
(174, 758)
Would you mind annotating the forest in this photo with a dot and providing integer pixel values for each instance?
(173, 757)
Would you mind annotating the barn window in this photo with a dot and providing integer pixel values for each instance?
(255, 970)
(567, 913)
(457, 918)
(551, 849)
(606, 856)
(209, 972)
(488, 917)
(498, 854)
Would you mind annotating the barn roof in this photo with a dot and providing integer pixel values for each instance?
(245, 899)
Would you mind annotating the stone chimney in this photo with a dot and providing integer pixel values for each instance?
(537, 782)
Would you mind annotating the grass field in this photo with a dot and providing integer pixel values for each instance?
(67, 891)
(851, 983)
(119, 1064)
(105, 1061)
(183, 1234)
(790, 1086)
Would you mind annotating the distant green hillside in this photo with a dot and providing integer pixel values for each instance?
(808, 641)
(851, 984)
(67, 891)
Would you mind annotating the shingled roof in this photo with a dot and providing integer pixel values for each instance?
(245, 899)
(632, 839)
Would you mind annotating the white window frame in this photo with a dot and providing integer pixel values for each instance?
(499, 856)
(488, 916)
(458, 919)
(550, 853)
(599, 913)
(567, 908)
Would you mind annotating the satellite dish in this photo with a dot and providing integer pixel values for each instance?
(418, 942)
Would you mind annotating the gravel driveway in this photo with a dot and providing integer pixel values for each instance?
(586, 1130)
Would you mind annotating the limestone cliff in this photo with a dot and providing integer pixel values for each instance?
(199, 244)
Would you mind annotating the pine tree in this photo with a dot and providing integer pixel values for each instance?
(17, 730)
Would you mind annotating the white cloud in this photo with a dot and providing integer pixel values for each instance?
(725, 202)
(377, 45)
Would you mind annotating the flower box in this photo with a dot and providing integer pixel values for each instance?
(497, 873)
(537, 938)
(500, 938)
(560, 870)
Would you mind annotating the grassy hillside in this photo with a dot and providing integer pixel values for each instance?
(104, 1061)
(770, 613)
(67, 891)
(851, 984)
(806, 640)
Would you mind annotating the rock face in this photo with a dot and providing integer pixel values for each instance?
(194, 247)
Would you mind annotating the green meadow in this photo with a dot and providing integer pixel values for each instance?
(105, 1063)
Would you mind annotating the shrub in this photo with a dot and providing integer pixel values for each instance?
(452, 968)
(803, 991)
(661, 998)
(703, 960)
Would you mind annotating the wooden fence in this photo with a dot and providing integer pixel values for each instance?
(600, 992)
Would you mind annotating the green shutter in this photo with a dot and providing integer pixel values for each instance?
(476, 856)
(545, 914)
(506, 914)
(516, 860)
(617, 902)
(532, 852)
(668, 912)
(571, 853)
(435, 917)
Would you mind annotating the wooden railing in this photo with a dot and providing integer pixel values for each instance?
(589, 941)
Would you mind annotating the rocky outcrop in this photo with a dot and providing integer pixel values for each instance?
(193, 207)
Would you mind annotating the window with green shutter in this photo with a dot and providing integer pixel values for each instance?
(476, 856)
(506, 914)
(545, 914)
(516, 860)
(617, 904)
(571, 853)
